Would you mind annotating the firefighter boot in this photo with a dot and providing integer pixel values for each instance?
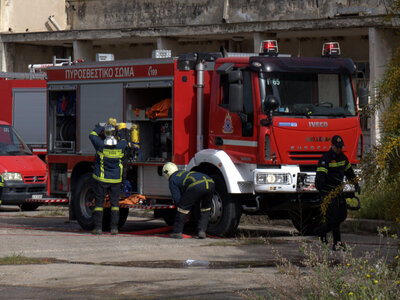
(179, 222)
(202, 224)
(114, 220)
(98, 221)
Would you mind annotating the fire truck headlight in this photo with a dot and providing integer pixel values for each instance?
(273, 178)
(11, 176)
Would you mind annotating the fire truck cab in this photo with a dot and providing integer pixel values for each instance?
(256, 123)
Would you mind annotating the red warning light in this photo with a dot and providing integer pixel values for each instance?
(331, 49)
(270, 47)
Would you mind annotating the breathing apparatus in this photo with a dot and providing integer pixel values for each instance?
(110, 133)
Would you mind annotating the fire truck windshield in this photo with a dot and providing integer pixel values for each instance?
(10, 142)
(309, 94)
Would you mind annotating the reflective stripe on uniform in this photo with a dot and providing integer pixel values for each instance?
(115, 208)
(94, 133)
(98, 208)
(322, 169)
(179, 174)
(183, 211)
(112, 153)
(118, 180)
(1, 184)
(348, 166)
(188, 177)
(201, 181)
(337, 164)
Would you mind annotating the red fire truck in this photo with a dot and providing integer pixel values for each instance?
(23, 104)
(256, 123)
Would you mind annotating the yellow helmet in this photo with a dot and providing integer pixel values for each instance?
(169, 169)
(112, 121)
(121, 126)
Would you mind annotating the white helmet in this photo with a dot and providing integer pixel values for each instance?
(169, 169)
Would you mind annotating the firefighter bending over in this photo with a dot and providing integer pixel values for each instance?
(107, 172)
(332, 167)
(187, 189)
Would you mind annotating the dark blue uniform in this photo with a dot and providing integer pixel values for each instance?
(188, 188)
(108, 163)
(108, 176)
(331, 170)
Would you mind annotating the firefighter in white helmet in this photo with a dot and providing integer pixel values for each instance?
(187, 189)
(107, 172)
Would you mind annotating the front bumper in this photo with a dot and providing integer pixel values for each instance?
(288, 179)
(16, 193)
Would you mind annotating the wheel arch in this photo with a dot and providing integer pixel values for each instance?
(211, 161)
(79, 169)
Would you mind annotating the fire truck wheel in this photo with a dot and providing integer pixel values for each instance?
(225, 211)
(168, 215)
(306, 220)
(123, 215)
(28, 206)
(83, 202)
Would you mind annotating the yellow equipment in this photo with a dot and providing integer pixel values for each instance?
(135, 135)
(112, 121)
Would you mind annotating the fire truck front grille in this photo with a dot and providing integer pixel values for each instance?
(305, 155)
(34, 179)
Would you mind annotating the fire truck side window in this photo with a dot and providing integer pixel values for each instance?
(224, 91)
(247, 127)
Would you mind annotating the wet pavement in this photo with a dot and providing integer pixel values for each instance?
(143, 262)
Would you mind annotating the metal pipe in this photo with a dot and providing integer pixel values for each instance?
(200, 103)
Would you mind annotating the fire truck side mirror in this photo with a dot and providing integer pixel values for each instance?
(236, 91)
(271, 103)
(362, 94)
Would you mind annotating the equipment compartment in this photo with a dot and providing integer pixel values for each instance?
(149, 109)
(62, 118)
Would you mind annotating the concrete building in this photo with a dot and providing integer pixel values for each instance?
(35, 31)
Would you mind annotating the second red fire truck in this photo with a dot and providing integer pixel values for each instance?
(257, 124)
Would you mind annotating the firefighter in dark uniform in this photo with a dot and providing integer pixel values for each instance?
(187, 189)
(107, 172)
(332, 167)
(1, 186)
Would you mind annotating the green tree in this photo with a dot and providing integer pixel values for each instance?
(381, 166)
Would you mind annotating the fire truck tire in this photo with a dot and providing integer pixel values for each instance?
(83, 205)
(28, 206)
(83, 201)
(306, 220)
(225, 211)
(123, 215)
(168, 215)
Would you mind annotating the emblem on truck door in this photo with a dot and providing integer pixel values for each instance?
(228, 126)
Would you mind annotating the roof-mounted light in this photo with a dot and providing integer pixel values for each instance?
(269, 47)
(331, 49)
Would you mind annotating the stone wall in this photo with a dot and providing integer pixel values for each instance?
(99, 14)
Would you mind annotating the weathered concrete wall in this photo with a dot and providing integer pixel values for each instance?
(97, 14)
(32, 15)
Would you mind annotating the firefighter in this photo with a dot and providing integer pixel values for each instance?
(1, 186)
(187, 189)
(332, 167)
(107, 172)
